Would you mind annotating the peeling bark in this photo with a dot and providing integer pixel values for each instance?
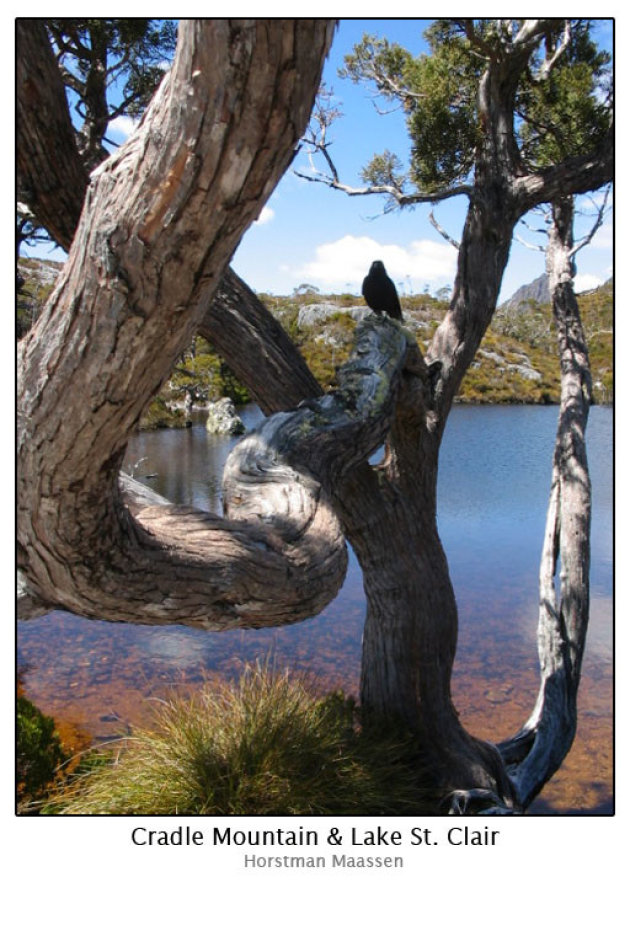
(160, 221)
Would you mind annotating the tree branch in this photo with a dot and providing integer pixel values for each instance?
(79, 548)
(316, 141)
(403, 199)
(537, 751)
(574, 175)
(529, 246)
(599, 220)
(54, 182)
(438, 227)
(256, 347)
(279, 554)
(551, 60)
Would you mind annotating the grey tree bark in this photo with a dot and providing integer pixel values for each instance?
(53, 165)
(423, 625)
(389, 512)
(539, 749)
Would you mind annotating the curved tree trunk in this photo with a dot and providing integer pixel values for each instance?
(539, 749)
(140, 280)
(256, 347)
(161, 219)
(388, 514)
(53, 180)
(411, 626)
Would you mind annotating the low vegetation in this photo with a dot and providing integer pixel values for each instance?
(267, 745)
(516, 363)
(39, 754)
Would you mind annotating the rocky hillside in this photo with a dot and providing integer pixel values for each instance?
(517, 362)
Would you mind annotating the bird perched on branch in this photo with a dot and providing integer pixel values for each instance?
(380, 293)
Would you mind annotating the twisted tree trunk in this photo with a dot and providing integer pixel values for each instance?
(160, 222)
(539, 749)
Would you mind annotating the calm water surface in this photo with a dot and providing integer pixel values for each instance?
(96, 677)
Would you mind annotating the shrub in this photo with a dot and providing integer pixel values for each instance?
(264, 746)
(39, 753)
(160, 416)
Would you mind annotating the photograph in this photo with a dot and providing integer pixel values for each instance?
(314, 422)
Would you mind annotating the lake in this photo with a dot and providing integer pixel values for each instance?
(96, 677)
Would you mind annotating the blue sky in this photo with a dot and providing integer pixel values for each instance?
(316, 235)
(308, 233)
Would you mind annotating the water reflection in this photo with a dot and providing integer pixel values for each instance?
(494, 479)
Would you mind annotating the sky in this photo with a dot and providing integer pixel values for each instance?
(308, 233)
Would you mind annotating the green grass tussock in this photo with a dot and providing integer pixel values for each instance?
(266, 745)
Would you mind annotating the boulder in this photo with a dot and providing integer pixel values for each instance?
(316, 312)
(223, 418)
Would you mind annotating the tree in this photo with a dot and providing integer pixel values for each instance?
(54, 160)
(160, 221)
(95, 54)
(85, 59)
(561, 120)
(479, 118)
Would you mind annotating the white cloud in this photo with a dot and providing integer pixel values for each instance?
(121, 127)
(265, 215)
(347, 260)
(585, 281)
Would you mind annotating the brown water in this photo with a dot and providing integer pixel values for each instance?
(97, 679)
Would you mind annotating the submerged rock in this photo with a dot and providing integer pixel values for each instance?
(223, 418)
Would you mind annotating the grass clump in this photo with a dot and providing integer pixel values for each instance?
(266, 745)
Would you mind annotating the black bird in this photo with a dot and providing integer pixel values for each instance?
(380, 293)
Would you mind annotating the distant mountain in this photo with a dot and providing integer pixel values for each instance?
(538, 291)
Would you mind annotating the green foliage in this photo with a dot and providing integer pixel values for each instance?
(205, 375)
(531, 327)
(38, 750)
(519, 335)
(325, 348)
(569, 113)
(128, 52)
(438, 94)
(384, 169)
(386, 63)
(443, 120)
(523, 337)
(564, 114)
(268, 745)
(158, 415)
(230, 385)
